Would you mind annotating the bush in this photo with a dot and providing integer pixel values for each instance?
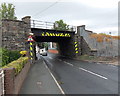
(9, 56)
(100, 37)
(17, 64)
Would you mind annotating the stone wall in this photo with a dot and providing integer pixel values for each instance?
(14, 34)
(85, 49)
(91, 46)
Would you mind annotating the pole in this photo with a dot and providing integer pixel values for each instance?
(31, 52)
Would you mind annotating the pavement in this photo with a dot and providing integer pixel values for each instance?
(40, 81)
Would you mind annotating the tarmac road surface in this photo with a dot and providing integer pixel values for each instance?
(80, 77)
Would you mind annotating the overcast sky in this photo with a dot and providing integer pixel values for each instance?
(99, 16)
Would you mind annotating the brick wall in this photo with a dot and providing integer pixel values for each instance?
(9, 81)
(19, 79)
(53, 51)
(13, 83)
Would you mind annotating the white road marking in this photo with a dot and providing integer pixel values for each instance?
(50, 57)
(54, 79)
(64, 61)
(45, 64)
(107, 64)
(98, 63)
(68, 63)
(112, 65)
(59, 59)
(86, 70)
(93, 73)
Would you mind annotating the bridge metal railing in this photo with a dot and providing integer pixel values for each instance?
(1, 82)
(48, 25)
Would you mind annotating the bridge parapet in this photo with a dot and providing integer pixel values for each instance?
(49, 25)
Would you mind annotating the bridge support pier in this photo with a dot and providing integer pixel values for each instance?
(70, 47)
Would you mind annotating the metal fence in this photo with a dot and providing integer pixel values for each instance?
(1, 82)
(48, 25)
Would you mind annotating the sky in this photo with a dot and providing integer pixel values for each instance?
(99, 16)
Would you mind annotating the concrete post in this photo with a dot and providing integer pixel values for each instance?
(50, 44)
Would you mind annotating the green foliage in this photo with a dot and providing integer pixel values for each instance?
(17, 64)
(9, 56)
(102, 33)
(46, 45)
(60, 25)
(43, 45)
(7, 11)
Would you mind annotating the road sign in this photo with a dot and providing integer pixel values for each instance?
(30, 38)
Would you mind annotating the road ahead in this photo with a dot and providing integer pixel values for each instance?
(79, 77)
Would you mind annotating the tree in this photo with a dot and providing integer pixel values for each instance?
(7, 11)
(46, 45)
(43, 45)
(60, 25)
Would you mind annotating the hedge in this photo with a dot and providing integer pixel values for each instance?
(8, 56)
(17, 64)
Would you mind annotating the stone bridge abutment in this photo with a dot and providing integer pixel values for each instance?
(15, 35)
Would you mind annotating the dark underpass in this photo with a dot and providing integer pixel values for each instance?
(64, 39)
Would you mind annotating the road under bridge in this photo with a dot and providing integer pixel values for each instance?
(64, 39)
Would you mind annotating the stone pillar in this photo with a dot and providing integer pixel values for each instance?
(77, 41)
(80, 29)
(27, 19)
